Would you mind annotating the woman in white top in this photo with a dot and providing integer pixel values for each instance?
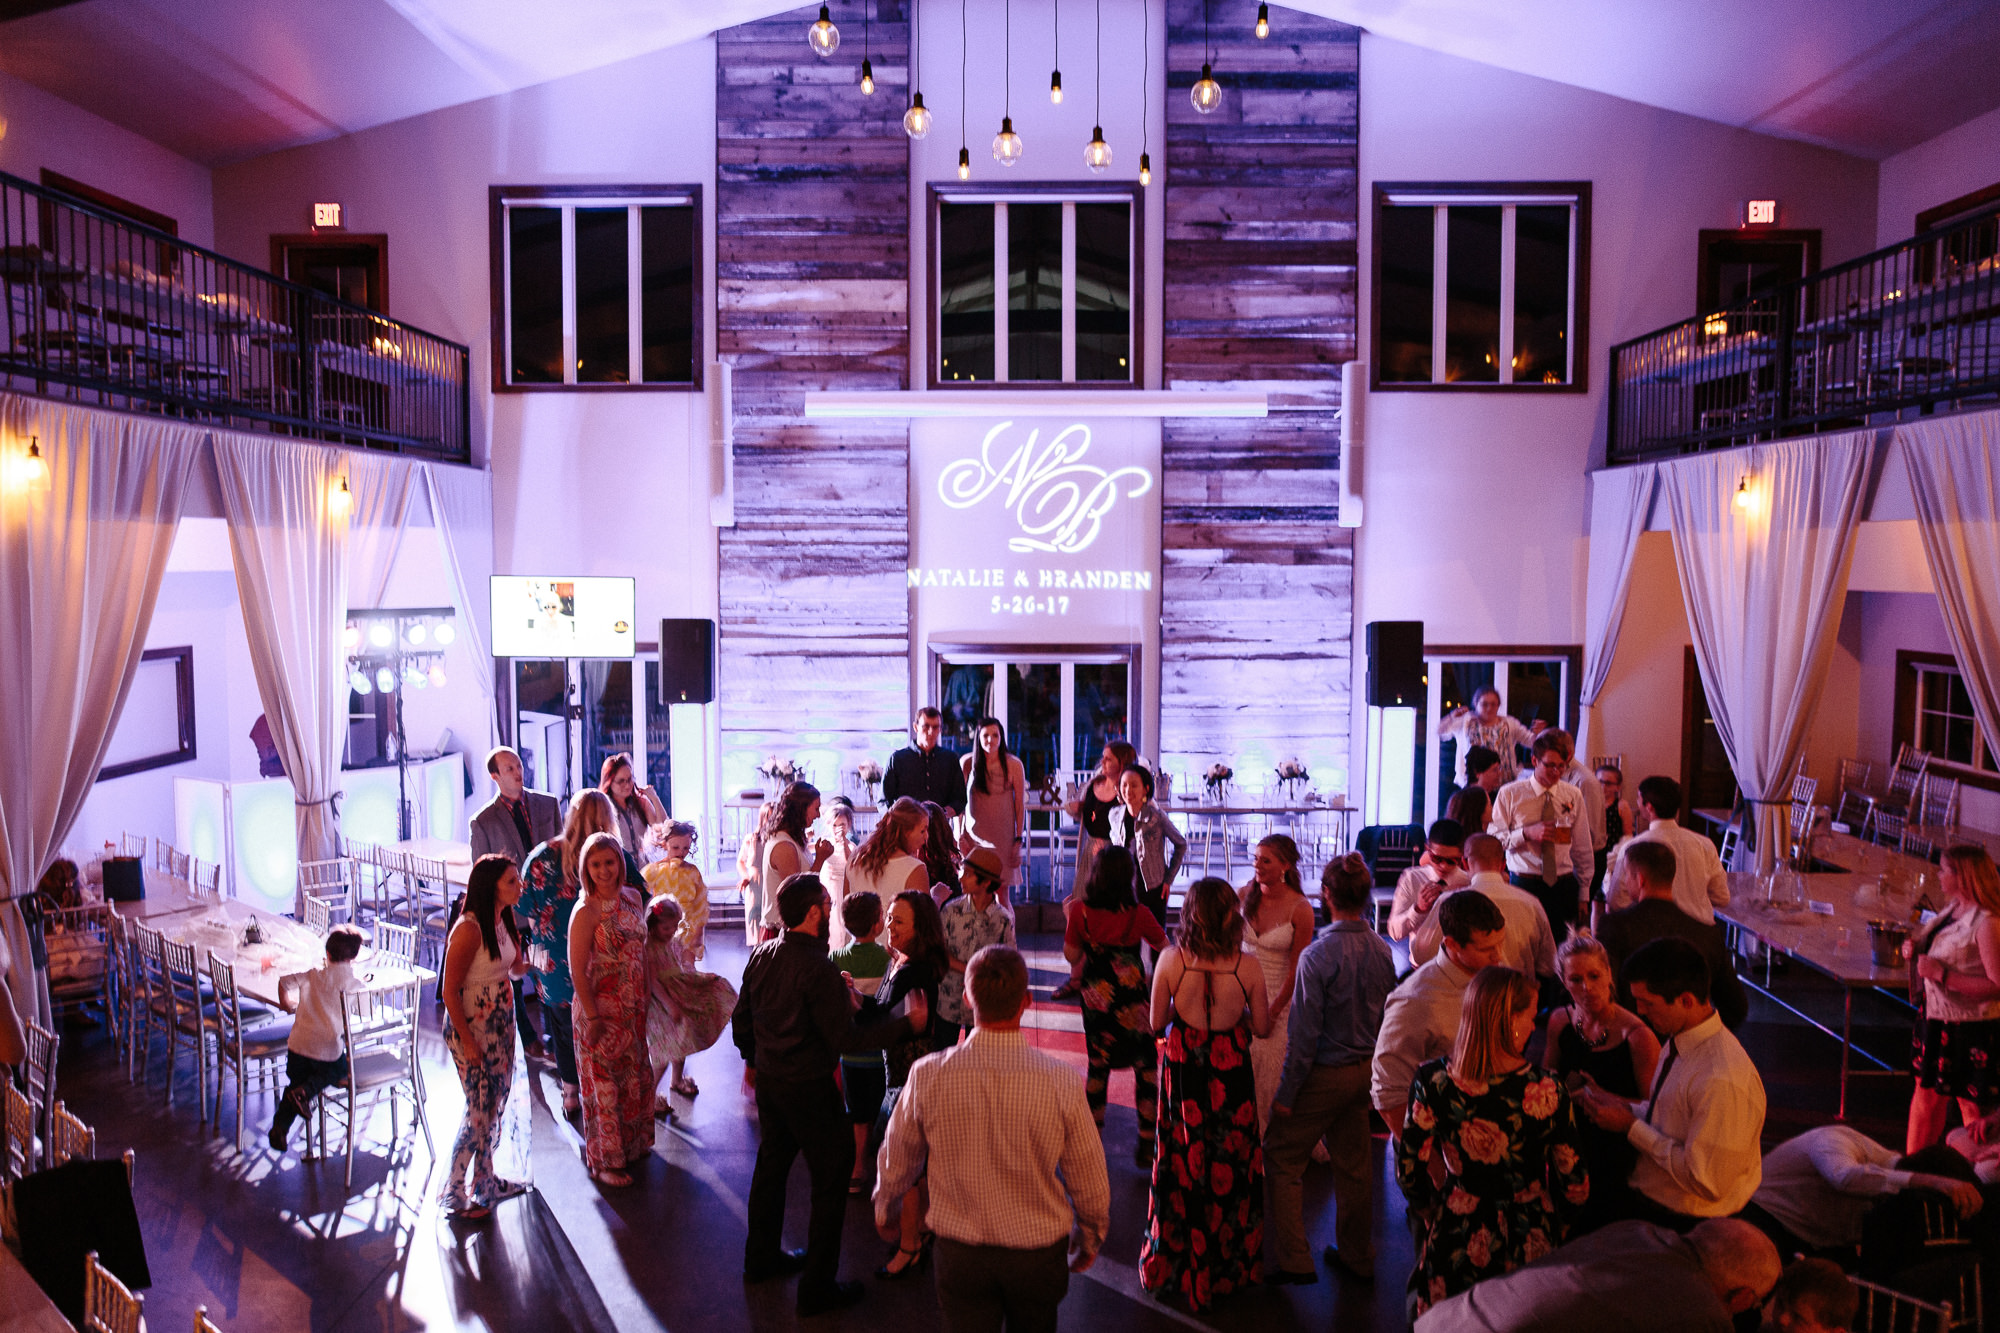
(840, 835)
(483, 955)
(784, 855)
(996, 797)
(1483, 724)
(1279, 917)
(892, 859)
(1957, 957)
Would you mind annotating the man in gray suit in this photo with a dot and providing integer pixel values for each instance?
(514, 823)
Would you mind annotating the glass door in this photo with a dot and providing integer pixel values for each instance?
(541, 725)
(1537, 686)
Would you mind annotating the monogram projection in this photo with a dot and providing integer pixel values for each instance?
(1046, 526)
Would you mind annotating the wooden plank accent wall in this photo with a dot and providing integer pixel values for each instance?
(812, 292)
(1257, 575)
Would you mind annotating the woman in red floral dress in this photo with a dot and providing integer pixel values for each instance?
(1205, 1217)
(607, 959)
(1490, 1158)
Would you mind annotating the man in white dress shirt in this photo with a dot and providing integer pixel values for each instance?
(1542, 822)
(1420, 1021)
(1698, 1134)
(1819, 1186)
(1440, 868)
(1530, 946)
(1019, 1196)
(1700, 883)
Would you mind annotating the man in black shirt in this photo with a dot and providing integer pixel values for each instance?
(925, 772)
(1657, 916)
(793, 1021)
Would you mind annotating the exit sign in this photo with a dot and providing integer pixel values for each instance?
(328, 215)
(1760, 213)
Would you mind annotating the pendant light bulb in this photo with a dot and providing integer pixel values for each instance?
(1206, 93)
(917, 120)
(965, 164)
(822, 36)
(1145, 169)
(1263, 21)
(867, 79)
(1097, 156)
(1007, 145)
(30, 472)
(1055, 87)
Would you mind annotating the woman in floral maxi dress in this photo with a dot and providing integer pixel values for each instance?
(1490, 1156)
(1104, 927)
(1205, 1217)
(607, 959)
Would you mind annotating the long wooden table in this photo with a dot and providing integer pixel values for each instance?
(1877, 883)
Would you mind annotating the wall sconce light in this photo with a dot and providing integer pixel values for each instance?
(339, 500)
(1746, 496)
(28, 471)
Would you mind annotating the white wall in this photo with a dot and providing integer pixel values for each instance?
(1936, 171)
(42, 130)
(1476, 504)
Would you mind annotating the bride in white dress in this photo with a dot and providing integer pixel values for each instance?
(1280, 920)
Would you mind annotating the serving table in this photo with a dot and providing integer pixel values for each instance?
(1871, 883)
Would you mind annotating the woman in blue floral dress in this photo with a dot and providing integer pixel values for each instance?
(1205, 1217)
(1490, 1156)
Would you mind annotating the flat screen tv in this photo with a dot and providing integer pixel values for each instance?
(563, 617)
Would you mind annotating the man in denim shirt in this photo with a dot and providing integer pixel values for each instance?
(1345, 977)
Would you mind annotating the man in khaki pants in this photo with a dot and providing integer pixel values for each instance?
(1345, 977)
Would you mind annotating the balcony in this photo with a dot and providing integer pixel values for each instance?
(102, 311)
(1915, 326)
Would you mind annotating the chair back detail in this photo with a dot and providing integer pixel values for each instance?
(108, 1304)
(71, 1139)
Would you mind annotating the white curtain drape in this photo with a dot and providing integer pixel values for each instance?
(382, 490)
(462, 513)
(80, 570)
(1765, 539)
(288, 532)
(1954, 469)
(1620, 499)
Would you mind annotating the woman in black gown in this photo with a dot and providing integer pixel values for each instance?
(1593, 1034)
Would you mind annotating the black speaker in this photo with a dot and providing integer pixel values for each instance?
(1396, 663)
(687, 661)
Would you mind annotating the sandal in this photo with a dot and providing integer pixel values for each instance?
(662, 1108)
(572, 1103)
(509, 1189)
(686, 1088)
(616, 1180)
(858, 1185)
(915, 1257)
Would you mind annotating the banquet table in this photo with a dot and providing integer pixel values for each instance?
(457, 856)
(1872, 883)
(287, 947)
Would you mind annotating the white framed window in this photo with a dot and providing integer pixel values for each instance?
(1034, 285)
(596, 286)
(1934, 713)
(1482, 285)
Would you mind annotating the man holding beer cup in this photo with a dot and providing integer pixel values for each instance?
(1540, 821)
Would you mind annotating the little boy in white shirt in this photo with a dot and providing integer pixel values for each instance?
(316, 1051)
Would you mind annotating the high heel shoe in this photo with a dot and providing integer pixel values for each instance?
(916, 1260)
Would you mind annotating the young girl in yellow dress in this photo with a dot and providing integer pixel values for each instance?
(673, 875)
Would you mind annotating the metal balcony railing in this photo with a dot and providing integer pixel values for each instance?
(103, 311)
(1914, 326)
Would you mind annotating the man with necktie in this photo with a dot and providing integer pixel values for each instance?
(1698, 1132)
(1540, 820)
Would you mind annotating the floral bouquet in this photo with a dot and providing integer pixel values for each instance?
(1217, 778)
(778, 771)
(1291, 776)
(869, 774)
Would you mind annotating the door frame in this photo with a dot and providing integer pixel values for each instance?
(1570, 694)
(1044, 654)
(1709, 236)
(283, 244)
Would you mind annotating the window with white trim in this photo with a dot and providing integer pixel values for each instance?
(1939, 716)
(596, 286)
(1464, 271)
(1066, 264)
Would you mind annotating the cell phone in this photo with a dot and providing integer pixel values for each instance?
(1577, 1082)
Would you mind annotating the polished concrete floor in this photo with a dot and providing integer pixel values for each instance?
(271, 1243)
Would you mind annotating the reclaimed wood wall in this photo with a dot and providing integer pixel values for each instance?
(1257, 575)
(812, 262)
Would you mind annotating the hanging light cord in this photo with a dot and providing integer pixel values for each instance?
(1007, 74)
(963, 95)
(1058, 36)
(1145, 78)
(1098, 56)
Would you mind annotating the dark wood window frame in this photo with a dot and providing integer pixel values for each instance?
(1903, 722)
(943, 192)
(497, 250)
(281, 244)
(1951, 210)
(1524, 191)
(184, 689)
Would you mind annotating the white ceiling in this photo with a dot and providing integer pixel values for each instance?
(222, 80)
